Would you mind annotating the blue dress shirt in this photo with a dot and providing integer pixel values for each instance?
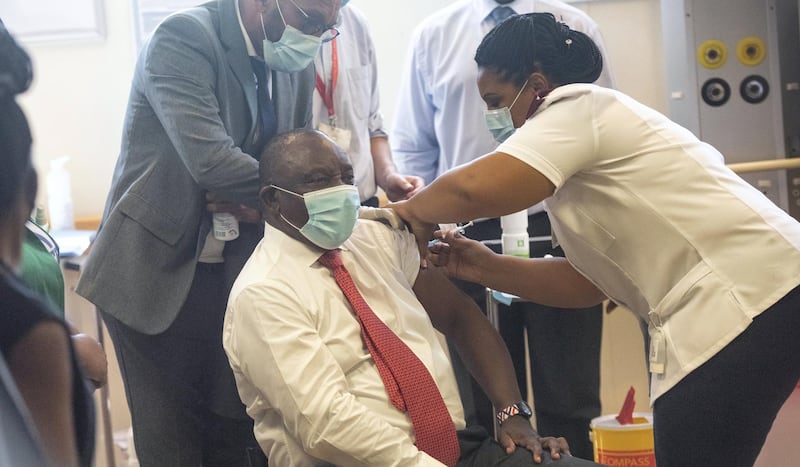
(439, 122)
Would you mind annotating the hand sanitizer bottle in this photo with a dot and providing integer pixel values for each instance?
(515, 234)
(59, 195)
(226, 226)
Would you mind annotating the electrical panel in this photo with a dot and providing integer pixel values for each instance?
(733, 78)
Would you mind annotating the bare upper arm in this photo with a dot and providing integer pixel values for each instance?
(513, 184)
(41, 367)
(446, 305)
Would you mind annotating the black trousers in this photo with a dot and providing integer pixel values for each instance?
(371, 202)
(478, 449)
(181, 393)
(564, 351)
(720, 414)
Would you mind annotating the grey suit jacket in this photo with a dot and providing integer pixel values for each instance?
(190, 128)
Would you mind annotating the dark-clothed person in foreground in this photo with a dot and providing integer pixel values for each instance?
(34, 342)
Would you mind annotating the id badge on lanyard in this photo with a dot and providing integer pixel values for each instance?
(340, 136)
(658, 346)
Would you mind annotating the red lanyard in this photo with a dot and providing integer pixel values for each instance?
(327, 94)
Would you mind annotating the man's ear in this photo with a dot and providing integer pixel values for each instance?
(269, 200)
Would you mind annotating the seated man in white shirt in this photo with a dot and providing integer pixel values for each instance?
(295, 344)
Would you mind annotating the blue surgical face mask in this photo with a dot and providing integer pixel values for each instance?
(293, 52)
(499, 121)
(332, 214)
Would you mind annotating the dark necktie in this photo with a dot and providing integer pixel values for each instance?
(269, 124)
(500, 13)
(408, 383)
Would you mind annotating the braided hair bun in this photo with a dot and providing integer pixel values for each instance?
(536, 42)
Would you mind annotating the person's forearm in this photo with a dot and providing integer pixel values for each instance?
(446, 200)
(486, 357)
(546, 281)
(181, 99)
(382, 159)
(458, 317)
(491, 186)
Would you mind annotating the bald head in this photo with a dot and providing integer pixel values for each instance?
(299, 161)
(290, 158)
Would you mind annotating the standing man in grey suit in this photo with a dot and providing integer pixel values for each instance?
(211, 87)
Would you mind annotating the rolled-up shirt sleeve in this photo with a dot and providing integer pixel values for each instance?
(414, 143)
(375, 122)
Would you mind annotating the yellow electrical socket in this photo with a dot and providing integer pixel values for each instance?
(712, 54)
(751, 51)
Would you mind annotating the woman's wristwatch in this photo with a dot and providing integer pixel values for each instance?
(519, 408)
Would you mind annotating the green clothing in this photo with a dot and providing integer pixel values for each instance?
(41, 271)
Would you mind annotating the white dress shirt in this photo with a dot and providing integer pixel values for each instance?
(297, 354)
(439, 123)
(356, 98)
(654, 218)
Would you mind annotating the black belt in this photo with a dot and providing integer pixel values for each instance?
(371, 202)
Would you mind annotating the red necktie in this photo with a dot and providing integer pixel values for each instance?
(408, 382)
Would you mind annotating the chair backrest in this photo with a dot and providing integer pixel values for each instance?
(19, 441)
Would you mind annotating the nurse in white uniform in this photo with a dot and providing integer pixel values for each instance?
(648, 216)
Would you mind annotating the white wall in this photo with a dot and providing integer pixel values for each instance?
(77, 103)
(631, 30)
(632, 33)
